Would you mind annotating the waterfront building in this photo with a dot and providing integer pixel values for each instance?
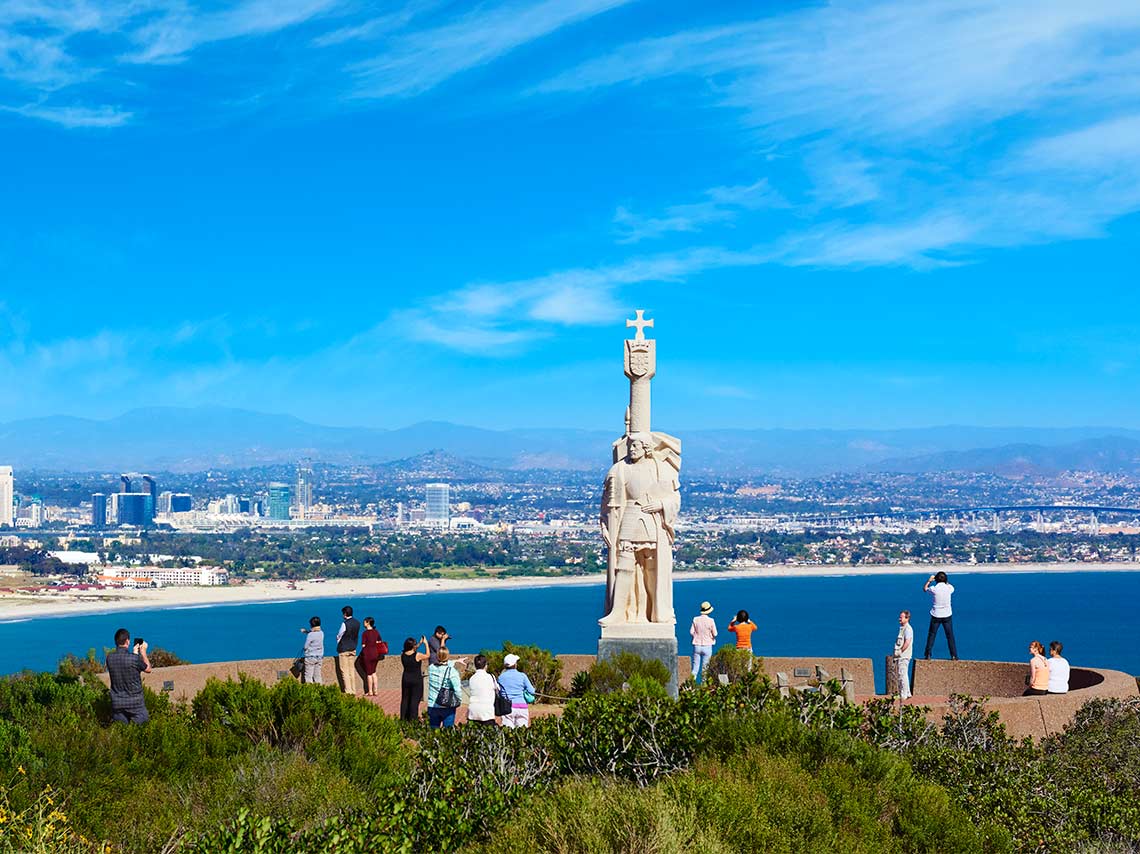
(437, 509)
(7, 497)
(157, 576)
(279, 501)
(98, 510)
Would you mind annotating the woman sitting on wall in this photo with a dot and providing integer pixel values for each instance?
(1038, 671)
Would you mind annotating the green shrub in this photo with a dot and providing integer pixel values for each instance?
(628, 671)
(733, 663)
(544, 670)
(621, 735)
(318, 720)
(580, 685)
(756, 802)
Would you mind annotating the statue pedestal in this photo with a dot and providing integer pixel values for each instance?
(618, 639)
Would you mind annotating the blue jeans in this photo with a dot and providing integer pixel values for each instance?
(701, 656)
(441, 716)
(130, 716)
(948, 624)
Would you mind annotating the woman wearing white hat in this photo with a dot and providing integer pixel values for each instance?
(703, 632)
(519, 690)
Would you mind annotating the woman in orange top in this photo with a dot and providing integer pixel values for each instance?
(1038, 671)
(743, 628)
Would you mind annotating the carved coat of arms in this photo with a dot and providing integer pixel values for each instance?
(639, 361)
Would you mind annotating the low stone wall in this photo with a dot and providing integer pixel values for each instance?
(188, 679)
(1003, 682)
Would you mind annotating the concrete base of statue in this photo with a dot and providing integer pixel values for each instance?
(638, 639)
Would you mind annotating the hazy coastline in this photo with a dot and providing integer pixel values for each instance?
(27, 606)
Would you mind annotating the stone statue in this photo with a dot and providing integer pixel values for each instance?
(640, 502)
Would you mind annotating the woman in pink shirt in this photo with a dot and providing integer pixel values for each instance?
(703, 633)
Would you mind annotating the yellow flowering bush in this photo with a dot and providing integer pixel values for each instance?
(41, 828)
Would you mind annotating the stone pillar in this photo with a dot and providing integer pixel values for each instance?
(640, 367)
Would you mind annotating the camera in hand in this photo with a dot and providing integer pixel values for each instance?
(139, 641)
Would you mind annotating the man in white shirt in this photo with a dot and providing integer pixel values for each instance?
(941, 614)
(904, 651)
(1058, 669)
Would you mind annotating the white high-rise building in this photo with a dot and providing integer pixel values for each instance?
(304, 492)
(438, 504)
(7, 497)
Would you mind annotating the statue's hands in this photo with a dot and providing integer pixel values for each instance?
(652, 506)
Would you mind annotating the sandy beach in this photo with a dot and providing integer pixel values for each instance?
(27, 606)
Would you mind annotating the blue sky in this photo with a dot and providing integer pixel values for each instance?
(880, 214)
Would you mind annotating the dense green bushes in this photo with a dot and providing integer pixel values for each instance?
(755, 802)
(316, 753)
(736, 766)
(626, 671)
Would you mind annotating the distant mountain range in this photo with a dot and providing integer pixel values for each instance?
(178, 439)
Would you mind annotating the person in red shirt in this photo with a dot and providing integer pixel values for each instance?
(743, 628)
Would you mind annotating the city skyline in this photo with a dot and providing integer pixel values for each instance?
(843, 215)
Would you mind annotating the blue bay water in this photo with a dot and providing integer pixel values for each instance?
(995, 617)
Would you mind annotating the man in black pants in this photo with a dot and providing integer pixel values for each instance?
(124, 666)
(941, 614)
(346, 640)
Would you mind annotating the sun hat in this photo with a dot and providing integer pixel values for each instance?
(510, 659)
(706, 607)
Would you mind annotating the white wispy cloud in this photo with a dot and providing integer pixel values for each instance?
(953, 125)
(379, 26)
(895, 67)
(500, 318)
(180, 29)
(76, 117)
(418, 61)
(720, 205)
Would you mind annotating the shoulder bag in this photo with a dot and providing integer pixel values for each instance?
(502, 701)
(447, 696)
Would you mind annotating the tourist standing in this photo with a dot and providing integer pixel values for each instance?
(519, 690)
(124, 666)
(438, 638)
(941, 614)
(482, 686)
(370, 655)
(743, 628)
(1038, 671)
(904, 651)
(1058, 669)
(412, 678)
(442, 704)
(703, 633)
(346, 638)
(314, 651)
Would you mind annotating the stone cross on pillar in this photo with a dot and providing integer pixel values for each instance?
(640, 367)
(640, 323)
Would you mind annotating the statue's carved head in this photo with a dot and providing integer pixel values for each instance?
(639, 445)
